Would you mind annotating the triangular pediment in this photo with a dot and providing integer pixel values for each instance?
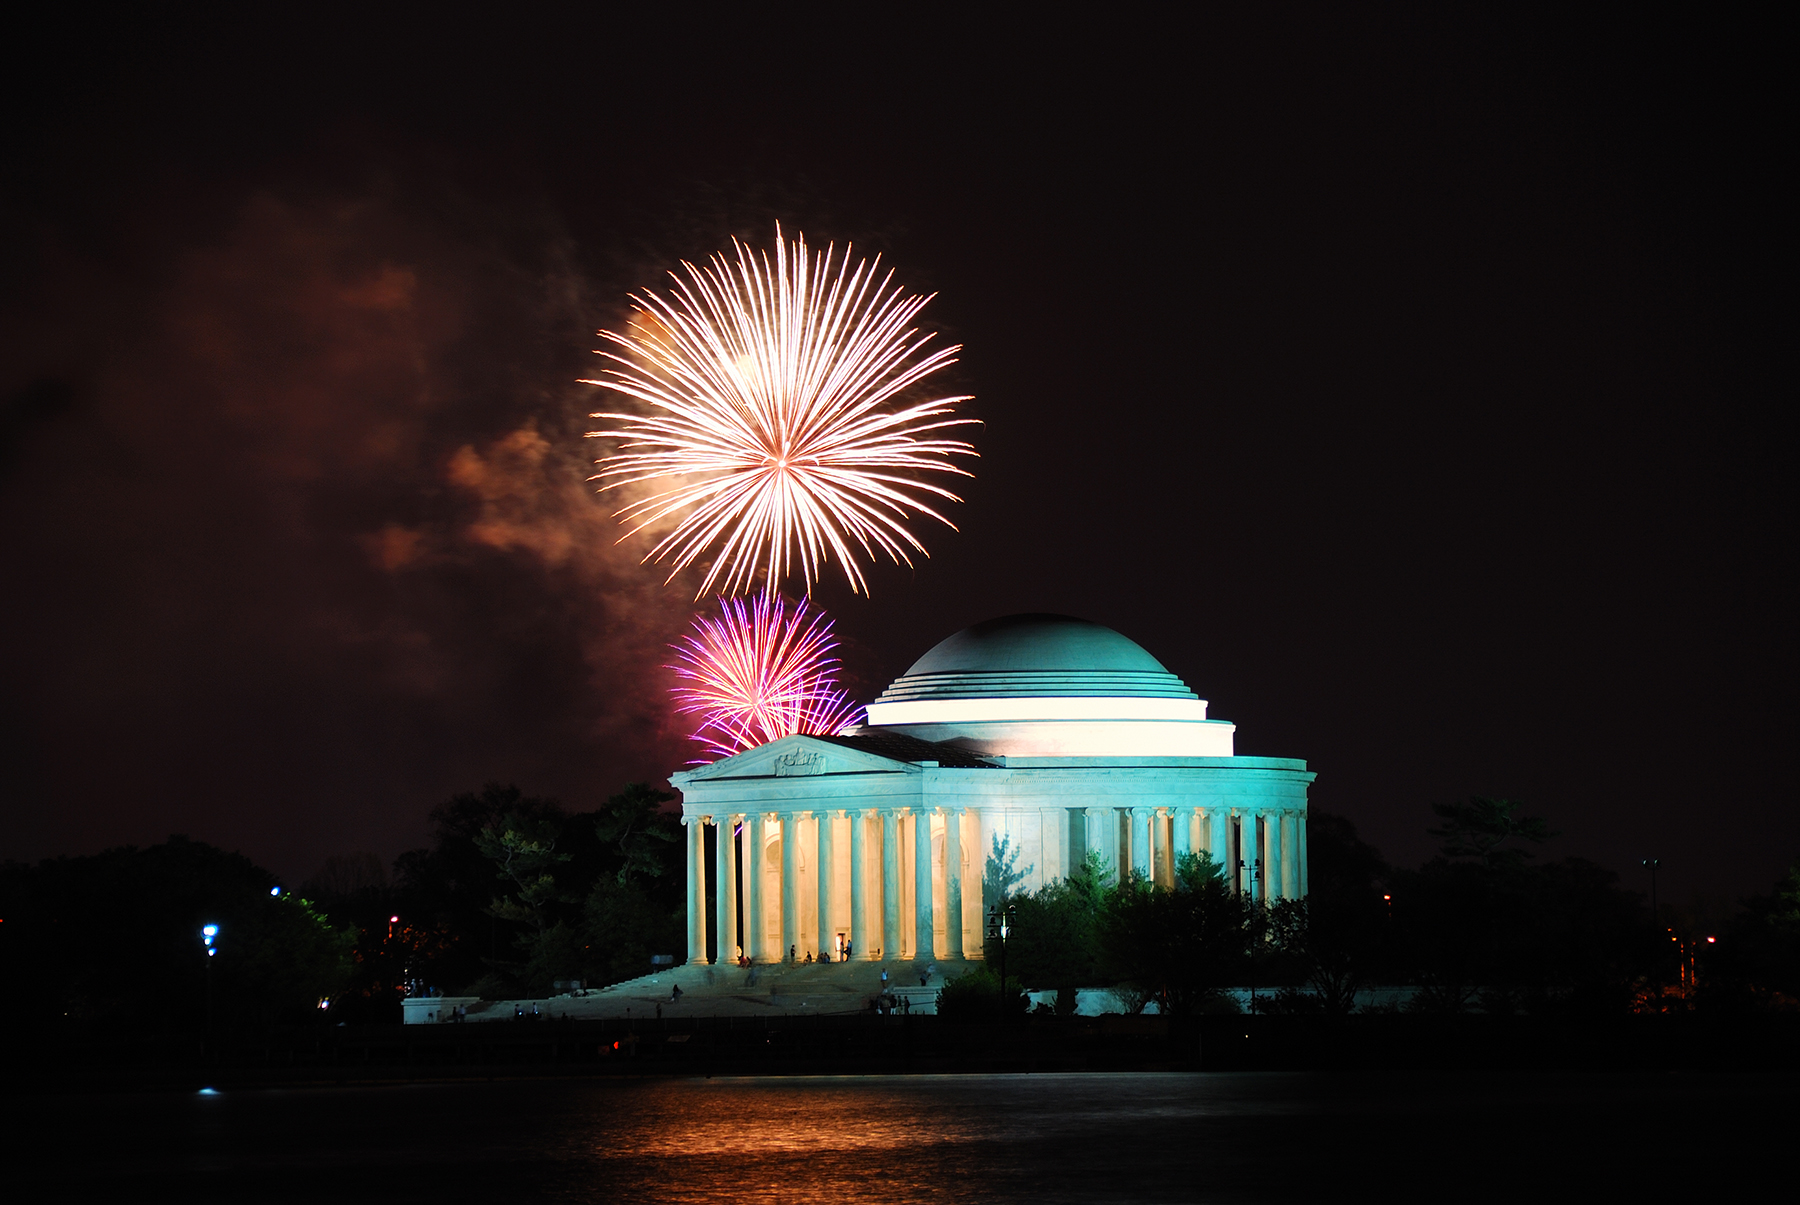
(797, 757)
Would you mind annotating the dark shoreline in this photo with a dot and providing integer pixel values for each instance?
(868, 1045)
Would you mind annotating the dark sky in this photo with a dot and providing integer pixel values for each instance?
(1403, 381)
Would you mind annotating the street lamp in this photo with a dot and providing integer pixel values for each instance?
(209, 940)
(1255, 875)
(999, 929)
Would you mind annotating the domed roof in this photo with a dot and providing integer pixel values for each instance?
(1037, 656)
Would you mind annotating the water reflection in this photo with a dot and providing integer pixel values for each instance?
(1037, 1138)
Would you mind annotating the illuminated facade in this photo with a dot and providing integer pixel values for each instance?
(1056, 735)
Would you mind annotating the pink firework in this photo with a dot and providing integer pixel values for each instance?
(759, 671)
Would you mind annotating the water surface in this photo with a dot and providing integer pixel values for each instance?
(1002, 1138)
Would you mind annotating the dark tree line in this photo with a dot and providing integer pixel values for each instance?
(115, 938)
(1483, 926)
(515, 893)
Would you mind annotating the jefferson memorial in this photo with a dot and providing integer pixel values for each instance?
(1052, 734)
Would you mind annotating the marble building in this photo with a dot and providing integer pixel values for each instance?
(1057, 735)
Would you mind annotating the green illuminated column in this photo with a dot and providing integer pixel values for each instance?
(1272, 868)
(696, 868)
(953, 897)
(1247, 838)
(756, 926)
(890, 883)
(790, 893)
(1140, 840)
(1300, 840)
(725, 904)
(1221, 843)
(924, 947)
(824, 820)
(859, 905)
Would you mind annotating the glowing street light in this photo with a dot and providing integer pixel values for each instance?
(999, 927)
(209, 939)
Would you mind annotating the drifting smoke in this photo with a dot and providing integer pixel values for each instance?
(303, 541)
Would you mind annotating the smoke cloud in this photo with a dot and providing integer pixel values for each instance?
(311, 495)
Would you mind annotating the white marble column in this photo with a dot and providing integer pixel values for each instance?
(1290, 876)
(890, 883)
(1221, 844)
(790, 883)
(953, 894)
(859, 902)
(924, 945)
(1140, 841)
(756, 926)
(1184, 836)
(1252, 871)
(823, 821)
(1300, 841)
(1271, 842)
(1095, 842)
(725, 903)
(696, 884)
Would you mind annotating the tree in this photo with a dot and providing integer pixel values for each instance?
(1178, 944)
(115, 937)
(633, 823)
(1338, 934)
(1478, 829)
(1001, 875)
(1055, 939)
(448, 887)
(523, 849)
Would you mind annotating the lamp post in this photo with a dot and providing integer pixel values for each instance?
(209, 941)
(999, 929)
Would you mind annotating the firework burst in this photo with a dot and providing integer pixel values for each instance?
(774, 437)
(759, 671)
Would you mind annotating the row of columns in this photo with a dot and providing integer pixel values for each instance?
(1269, 862)
(751, 935)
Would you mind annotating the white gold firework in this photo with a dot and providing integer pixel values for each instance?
(774, 435)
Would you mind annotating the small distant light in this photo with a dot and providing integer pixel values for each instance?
(277, 891)
(394, 920)
(209, 1091)
(1709, 941)
(1385, 897)
(209, 930)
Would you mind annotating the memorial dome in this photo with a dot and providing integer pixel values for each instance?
(1038, 656)
(1048, 685)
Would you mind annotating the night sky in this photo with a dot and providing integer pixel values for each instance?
(1403, 381)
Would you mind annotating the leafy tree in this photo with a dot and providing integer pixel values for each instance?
(1338, 935)
(523, 849)
(115, 937)
(1478, 829)
(1755, 964)
(623, 924)
(975, 996)
(1178, 944)
(1055, 940)
(1001, 874)
(633, 823)
(450, 885)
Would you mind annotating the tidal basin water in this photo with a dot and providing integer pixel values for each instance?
(1000, 1138)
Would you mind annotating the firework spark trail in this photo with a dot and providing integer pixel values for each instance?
(772, 392)
(760, 671)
